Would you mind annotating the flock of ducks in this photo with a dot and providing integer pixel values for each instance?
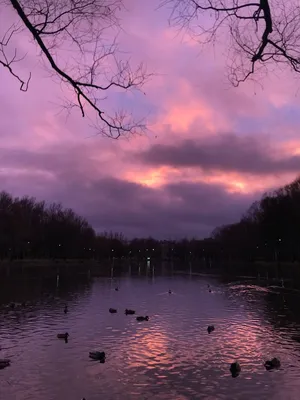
(94, 355)
(100, 356)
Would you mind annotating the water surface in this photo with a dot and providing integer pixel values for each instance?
(169, 357)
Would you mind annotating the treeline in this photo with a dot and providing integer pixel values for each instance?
(269, 230)
(33, 229)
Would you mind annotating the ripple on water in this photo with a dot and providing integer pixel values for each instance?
(170, 356)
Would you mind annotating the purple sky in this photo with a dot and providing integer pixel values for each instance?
(210, 151)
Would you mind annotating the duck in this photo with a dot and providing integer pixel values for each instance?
(129, 312)
(210, 328)
(97, 355)
(170, 291)
(112, 310)
(117, 289)
(142, 318)
(235, 369)
(271, 364)
(12, 305)
(66, 309)
(63, 336)
(209, 290)
(4, 362)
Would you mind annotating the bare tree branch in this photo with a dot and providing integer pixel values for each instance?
(262, 32)
(83, 28)
(7, 60)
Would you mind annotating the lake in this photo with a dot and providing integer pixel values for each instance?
(171, 356)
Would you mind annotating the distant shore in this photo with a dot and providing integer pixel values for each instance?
(50, 267)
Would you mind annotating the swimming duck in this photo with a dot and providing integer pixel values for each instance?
(129, 312)
(142, 318)
(97, 355)
(112, 310)
(12, 305)
(235, 369)
(66, 309)
(209, 290)
(4, 363)
(271, 364)
(63, 335)
(116, 289)
(170, 291)
(210, 328)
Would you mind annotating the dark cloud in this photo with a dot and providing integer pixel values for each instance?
(224, 152)
(172, 211)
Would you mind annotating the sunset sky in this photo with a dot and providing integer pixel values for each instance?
(210, 150)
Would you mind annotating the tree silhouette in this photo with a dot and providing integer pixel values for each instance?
(269, 230)
(87, 30)
(262, 33)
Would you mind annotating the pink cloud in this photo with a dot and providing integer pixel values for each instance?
(45, 154)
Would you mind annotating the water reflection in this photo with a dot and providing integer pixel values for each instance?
(171, 356)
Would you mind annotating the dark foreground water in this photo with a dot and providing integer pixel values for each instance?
(169, 357)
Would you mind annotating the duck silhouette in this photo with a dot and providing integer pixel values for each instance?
(63, 336)
(210, 328)
(272, 364)
(5, 362)
(146, 318)
(235, 369)
(129, 312)
(97, 355)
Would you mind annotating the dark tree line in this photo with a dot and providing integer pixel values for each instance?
(31, 229)
(268, 231)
